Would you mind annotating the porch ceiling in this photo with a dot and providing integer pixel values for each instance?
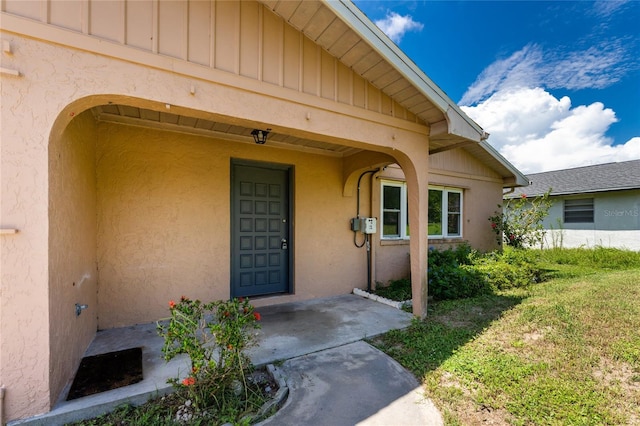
(135, 116)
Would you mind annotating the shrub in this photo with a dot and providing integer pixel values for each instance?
(399, 290)
(452, 275)
(519, 223)
(511, 268)
(463, 272)
(461, 255)
(214, 335)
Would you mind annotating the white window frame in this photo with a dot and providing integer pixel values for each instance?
(444, 219)
(403, 210)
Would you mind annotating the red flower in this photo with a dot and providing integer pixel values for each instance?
(493, 225)
(523, 196)
(230, 347)
(512, 237)
(172, 304)
(257, 316)
(189, 381)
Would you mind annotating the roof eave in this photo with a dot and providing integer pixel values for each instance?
(564, 193)
(458, 123)
(519, 179)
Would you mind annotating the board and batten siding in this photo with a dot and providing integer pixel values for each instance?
(241, 37)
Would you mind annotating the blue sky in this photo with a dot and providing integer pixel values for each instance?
(555, 83)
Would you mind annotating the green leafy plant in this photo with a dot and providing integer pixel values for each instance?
(398, 290)
(519, 223)
(214, 336)
(453, 276)
(511, 268)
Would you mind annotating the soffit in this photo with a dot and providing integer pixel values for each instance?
(320, 24)
(487, 155)
(129, 115)
(135, 116)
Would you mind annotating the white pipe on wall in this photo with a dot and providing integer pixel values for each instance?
(1, 405)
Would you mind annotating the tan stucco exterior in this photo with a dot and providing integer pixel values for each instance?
(163, 221)
(124, 214)
(73, 276)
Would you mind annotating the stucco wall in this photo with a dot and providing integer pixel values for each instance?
(24, 301)
(72, 247)
(164, 226)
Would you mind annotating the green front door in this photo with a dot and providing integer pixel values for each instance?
(260, 230)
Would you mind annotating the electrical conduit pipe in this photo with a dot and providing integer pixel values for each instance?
(1, 405)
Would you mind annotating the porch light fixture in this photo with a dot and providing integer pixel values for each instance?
(260, 136)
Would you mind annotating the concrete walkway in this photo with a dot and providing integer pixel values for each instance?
(354, 384)
(334, 378)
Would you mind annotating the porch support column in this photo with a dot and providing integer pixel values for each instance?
(416, 170)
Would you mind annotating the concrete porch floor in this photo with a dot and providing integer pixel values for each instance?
(288, 331)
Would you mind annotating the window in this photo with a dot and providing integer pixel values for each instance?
(578, 210)
(445, 213)
(395, 216)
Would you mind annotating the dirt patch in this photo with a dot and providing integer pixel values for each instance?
(612, 373)
(100, 373)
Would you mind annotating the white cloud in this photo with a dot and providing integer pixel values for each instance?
(538, 132)
(395, 26)
(596, 67)
(606, 8)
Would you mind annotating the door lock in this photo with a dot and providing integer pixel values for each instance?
(283, 244)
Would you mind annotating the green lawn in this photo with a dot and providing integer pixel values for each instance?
(566, 351)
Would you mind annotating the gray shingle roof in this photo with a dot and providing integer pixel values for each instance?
(598, 178)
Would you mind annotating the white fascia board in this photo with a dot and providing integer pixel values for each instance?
(358, 22)
(520, 178)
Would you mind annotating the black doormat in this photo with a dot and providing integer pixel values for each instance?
(100, 373)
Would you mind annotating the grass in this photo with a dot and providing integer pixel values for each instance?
(566, 351)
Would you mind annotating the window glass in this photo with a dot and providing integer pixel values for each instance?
(392, 214)
(435, 212)
(391, 224)
(445, 211)
(406, 217)
(453, 213)
(391, 197)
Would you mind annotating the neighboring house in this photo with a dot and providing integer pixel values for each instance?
(592, 206)
(130, 176)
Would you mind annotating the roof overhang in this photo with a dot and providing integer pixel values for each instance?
(458, 126)
(456, 129)
(511, 176)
